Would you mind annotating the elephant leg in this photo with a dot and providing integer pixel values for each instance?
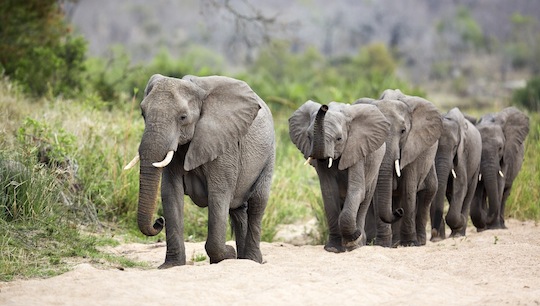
(478, 210)
(370, 225)
(256, 206)
(332, 209)
(362, 216)
(221, 180)
(353, 236)
(465, 209)
(239, 223)
(407, 231)
(425, 198)
(172, 194)
(395, 237)
(505, 196)
(436, 216)
(454, 217)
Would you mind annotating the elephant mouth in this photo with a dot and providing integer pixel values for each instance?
(167, 160)
(329, 159)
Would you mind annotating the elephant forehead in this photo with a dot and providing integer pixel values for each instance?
(160, 98)
(334, 122)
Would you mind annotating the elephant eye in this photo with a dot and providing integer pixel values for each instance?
(403, 131)
(338, 139)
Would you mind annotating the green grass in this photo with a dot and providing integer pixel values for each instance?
(51, 218)
(524, 200)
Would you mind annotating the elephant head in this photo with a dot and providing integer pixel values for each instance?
(415, 127)
(342, 132)
(503, 136)
(183, 125)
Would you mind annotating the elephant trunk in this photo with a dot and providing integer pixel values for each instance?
(383, 192)
(148, 190)
(150, 151)
(490, 176)
(318, 149)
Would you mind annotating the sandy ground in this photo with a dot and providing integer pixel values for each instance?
(500, 267)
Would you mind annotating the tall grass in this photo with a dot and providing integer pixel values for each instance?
(295, 195)
(524, 200)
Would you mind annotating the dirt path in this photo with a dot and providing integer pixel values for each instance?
(499, 267)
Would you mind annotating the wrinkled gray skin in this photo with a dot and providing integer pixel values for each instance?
(223, 137)
(415, 128)
(353, 136)
(460, 149)
(503, 145)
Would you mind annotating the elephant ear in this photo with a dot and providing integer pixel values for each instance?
(392, 94)
(368, 129)
(515, 127)
(463, 124)
(425, 130)
(299, 123)
(228, 109)
(153, 79)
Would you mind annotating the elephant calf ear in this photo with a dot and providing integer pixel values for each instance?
(368, 130)
(227, 112)
(515, 129)
(299, 124)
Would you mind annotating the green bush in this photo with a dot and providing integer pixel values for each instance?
(528, 97)
(38, 49)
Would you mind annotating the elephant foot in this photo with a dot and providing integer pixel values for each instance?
(383, 241)
(230, 253)
(436, 236)
(170, 264)
(407, 243)
(353, 242)
(254, 255)
(460, 232)
(334, 246)
(496, 226)
(481, 229)
(421, 239)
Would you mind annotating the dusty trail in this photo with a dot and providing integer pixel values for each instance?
(489, 268)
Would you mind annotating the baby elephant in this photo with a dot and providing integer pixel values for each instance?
(345, 144)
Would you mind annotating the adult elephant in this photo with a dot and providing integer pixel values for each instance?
(407, 181)
(345, 144)
(457, 163)
(503, 146)
(211, 138)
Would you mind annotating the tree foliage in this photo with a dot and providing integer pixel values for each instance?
(38, 49)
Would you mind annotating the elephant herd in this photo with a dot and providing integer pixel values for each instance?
(385, 165)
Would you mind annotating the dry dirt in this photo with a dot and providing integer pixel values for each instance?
(500, 267)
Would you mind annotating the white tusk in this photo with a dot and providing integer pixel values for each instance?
(330, 162)
(164, 162)
(398, 170)
(501, 174)
(454, 173)
(479, 177)
(307, 161)
(132, 163)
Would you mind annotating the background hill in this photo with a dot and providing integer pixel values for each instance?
(432, 39)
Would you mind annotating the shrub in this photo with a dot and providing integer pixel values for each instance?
(528, 97)
(38, 50)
